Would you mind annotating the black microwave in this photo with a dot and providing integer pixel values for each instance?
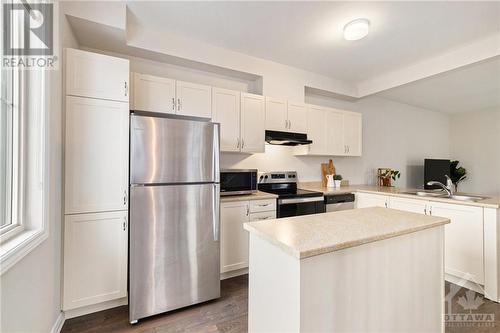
(238, 181)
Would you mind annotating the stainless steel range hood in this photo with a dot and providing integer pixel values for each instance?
(286, 138)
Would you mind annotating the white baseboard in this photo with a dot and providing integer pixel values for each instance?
(95, 308)
(238, 272)
(56, 328)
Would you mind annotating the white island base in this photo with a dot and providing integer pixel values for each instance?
(394, 284)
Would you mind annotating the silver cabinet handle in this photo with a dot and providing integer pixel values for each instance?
(242, 143)
(425, 210)
(248, 210)
(237, 142)
(286, 123)
(178, 104)
(265, 218)
(289, 124)
(173, 103)
(216, 220)
(264, 205)
(124, 224)
(126, 90)
(124, 197)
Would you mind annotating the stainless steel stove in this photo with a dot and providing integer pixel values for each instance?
(292, 201)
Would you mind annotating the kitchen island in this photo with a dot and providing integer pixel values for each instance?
(370, 269)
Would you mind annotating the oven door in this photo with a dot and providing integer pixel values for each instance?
(300, 206)
(238, 182)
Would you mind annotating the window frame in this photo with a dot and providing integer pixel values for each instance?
(30, 164)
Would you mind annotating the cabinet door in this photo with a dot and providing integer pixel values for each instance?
(152, 93)
(95, 258)
(335, 133)
(226, 111)
(234, 239)
(463, 240)
(316, 130)
(364, 200)
(96, 155)
(96, 75)
(276, 114)
(297, 117)
(253, 117)
(194, 99)
(408, 205)
(353, 133)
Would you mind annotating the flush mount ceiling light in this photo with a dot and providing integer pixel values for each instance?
(356, 29)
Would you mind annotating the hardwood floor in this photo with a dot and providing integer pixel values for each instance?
(229, 314)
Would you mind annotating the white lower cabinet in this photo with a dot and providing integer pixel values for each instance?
(408, 205)
(95, 258)
(364, 200)
(234, 239)
(463, 240)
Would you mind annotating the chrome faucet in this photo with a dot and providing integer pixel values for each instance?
(448, 187)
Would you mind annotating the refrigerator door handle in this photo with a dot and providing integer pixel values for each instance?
(216, 148)
(216, 215)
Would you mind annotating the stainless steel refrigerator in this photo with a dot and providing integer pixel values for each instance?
(174, 214)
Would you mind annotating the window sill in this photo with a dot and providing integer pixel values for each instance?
(15, 248)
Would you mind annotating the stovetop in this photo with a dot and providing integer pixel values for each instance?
(291, 193)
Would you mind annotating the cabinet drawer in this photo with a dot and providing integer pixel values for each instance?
(262, 216)
(263, 205)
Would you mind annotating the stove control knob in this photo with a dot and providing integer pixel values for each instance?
(266, 176)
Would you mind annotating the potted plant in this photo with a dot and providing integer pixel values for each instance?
(338, 180)
(387, 175)
(457, 174)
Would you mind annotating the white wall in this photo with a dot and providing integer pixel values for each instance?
(475, 142)
(395, 135)
(31, 290)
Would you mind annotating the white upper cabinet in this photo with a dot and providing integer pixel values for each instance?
(226, 111)
(297, 117)
(154, 94)
(334, 132)
(96, 75)
(96, 155)
(316, 117)
(276, 114)
(194, 99)
(95, 258)
(253, 119)
(353, 133)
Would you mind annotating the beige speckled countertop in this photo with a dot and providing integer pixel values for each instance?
(491, 202)
(311, 235)
(254, 196)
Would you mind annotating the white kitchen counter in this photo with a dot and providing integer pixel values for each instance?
(247, 197)
(492, 201)
(363, 270)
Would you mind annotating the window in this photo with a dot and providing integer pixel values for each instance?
(23, 213)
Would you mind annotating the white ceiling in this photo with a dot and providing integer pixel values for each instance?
(308, 35)
(471, 88)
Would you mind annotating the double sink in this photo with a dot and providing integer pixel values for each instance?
(444, 195)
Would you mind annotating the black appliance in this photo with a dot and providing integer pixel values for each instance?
(292, 201)
(238, 181)
(287, 138)
(437, 170)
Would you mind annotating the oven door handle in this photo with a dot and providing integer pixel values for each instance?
(299, 200)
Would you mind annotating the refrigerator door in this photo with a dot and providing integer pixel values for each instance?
(174, 247)
(166, 151)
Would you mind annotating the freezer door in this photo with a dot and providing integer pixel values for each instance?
(166, 150)
(174, 247)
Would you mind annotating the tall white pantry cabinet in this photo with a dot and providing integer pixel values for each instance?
(95, 180)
